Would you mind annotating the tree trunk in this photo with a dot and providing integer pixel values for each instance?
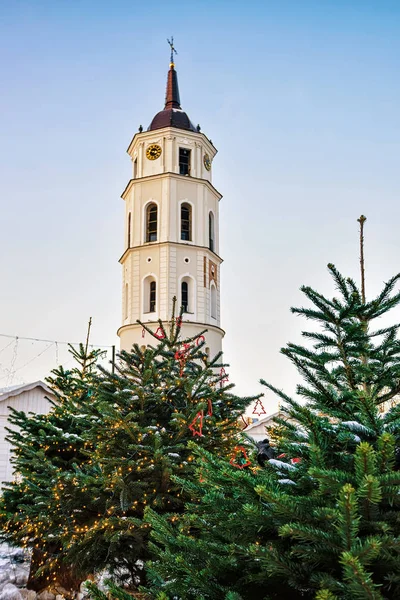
(65, 581)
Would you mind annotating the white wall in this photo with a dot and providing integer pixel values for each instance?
(29, 401)
(169, 259)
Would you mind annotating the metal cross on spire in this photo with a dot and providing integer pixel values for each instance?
(171, 43)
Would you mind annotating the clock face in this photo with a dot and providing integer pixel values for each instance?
(207, 162)
(153, 151)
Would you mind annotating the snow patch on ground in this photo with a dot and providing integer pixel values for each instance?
(14, 572)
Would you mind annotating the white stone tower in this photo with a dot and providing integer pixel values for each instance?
(171, 243)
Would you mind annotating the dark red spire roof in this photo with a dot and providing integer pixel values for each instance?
(172, 99)
(172, 115)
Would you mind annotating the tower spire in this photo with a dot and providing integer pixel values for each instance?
(172, 99)
(172, 114)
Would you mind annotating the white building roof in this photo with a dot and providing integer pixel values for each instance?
(264, 421)
(15, 390)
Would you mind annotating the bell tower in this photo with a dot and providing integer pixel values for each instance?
(171, 241)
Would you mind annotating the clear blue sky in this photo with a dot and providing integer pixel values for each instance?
(301, 98)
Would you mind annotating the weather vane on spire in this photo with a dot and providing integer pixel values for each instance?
(171, 43)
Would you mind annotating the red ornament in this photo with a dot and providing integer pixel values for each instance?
(210, 408)
(143, 332)
(186, 347)
(243, 461)
(224, 377)
(281, 455)
(199, 431)
(294, 461)
(181, 357)
(259, 408)
(200, 339)
(179, 321)
(160, 333)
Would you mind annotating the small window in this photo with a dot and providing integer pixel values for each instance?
(151, 223)
(184, 161)
(211, 231)
(185, 296)
(153, 296)
(135, 168)
(129, 230)
(186, 222)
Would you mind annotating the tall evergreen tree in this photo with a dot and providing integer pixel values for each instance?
(48, 449)
(156, 402)
(322, 519)
(109, 448)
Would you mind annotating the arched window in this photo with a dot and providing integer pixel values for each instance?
(213, 302)
(188, 296)
(151, 223)
(129, 230)
(184, 161)
(211, 231)
(153, 296)
(126, 301)
(186, 222)
(185, 296)
(149, 291)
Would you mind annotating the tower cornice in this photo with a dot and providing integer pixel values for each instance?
(149, 135)
(215, 256)
(170, 175)
(206, 326)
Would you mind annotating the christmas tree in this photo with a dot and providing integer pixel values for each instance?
(109, 448)
(156, 402)
(205, 553)
(43, 507)
(322, 519)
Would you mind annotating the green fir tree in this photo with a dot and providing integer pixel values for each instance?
(109, 448)
(156, 402)
(43, 506)
(322, 519)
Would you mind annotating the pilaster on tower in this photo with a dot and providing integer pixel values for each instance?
(171, 242)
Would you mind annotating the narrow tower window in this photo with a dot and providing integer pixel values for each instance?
(186, 222)
(213, 291)
(185, 296)
(211, 231)
(129, 230)
(151, 223)
(153, 296)
(135, 168)
(184, 161)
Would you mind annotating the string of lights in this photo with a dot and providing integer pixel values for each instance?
(30, 339)
(8, 374)
(7, 345)
(34, 358)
